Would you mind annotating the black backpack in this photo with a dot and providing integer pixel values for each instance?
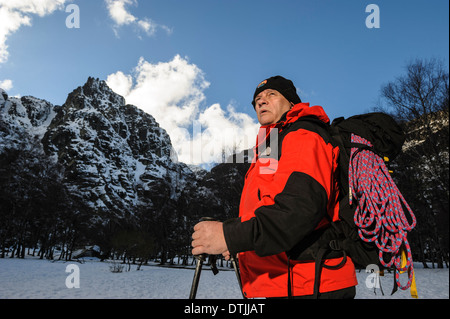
(367, 138)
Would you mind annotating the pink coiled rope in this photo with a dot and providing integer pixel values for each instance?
(379, 214)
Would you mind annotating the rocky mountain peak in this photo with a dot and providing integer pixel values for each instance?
(94, 93)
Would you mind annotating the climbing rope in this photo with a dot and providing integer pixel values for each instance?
(379, 214)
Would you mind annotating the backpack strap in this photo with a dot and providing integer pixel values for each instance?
(321, 254)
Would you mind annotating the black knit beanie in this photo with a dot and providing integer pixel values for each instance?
(280, 84)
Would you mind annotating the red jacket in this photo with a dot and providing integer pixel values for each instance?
(290, 187)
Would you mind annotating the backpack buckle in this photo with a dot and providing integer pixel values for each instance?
(335, 245)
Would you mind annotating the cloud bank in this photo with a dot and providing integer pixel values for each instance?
(173, 93)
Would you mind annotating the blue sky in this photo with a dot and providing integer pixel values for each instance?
(204, 58)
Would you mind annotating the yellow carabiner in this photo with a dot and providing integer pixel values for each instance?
(413, 288)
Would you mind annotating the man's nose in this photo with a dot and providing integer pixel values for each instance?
(262, 101)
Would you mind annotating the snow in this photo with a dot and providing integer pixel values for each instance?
(140, 170)
(32, 278)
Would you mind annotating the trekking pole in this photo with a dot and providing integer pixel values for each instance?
(198, 268)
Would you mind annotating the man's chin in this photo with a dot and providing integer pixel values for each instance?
(265, 119)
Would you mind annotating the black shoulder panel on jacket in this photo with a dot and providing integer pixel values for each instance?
(310, 123)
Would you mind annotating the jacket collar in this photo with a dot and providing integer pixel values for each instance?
(296, 112)
(302, 110)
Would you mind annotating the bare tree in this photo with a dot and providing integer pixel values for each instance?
(422, 92)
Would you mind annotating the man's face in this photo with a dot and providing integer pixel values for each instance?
(270, 105)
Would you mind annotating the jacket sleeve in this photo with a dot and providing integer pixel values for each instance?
(297, 194)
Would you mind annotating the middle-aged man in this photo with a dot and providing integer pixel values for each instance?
(286, 197)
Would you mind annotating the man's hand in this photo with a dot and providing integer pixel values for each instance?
(208, 238)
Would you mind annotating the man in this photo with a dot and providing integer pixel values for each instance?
(290, 192)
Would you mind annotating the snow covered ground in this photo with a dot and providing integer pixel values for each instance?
(42, 279)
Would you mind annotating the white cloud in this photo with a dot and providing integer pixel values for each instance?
(17, 13)
(120, 83)
(173, 93)
(122, 17)
(6, 84)
(39, 7)
(118, 12)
